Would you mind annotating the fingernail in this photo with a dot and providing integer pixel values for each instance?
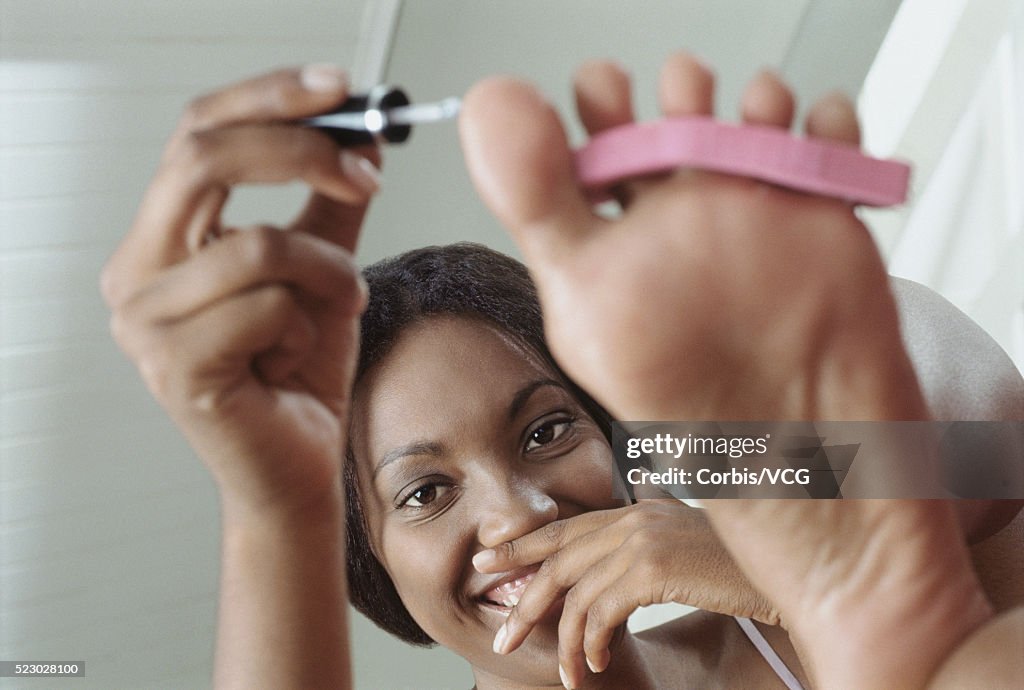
(361, 171)
(599, 666)
(364, 292)
(484, 559)
(323, 77)
(564, 677)
(499, 640)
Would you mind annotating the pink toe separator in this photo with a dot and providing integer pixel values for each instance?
(766, 153)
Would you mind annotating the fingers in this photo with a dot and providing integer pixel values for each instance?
(572, 550)
(246, 259)
(581, 612)
(521, 164)
(541, 543)
(282, 95)
(543, 591)
(560, 573)
(298, 338)
(260, 154)
(164, 327)
(605, 615)
(651, 552)
(335, 221)
(568, 548)
(184, 202)
(175, 358)
(241, 134)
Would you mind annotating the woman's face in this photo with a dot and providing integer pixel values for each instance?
(464, 441)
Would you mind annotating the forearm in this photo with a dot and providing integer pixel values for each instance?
(283, 612)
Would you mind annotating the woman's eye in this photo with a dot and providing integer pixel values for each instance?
(547, 432)
(424, 495)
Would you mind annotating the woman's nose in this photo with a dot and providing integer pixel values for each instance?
(513, 511)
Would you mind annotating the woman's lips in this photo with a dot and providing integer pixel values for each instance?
(508, 594)
(503, 592)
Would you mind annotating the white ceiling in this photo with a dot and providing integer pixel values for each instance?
(441, 47)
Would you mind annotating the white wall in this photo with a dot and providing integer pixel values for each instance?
(947, 93)
(108, 524)
(443, 46)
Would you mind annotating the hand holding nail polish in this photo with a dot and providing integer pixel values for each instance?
(248, 337)
(278, 304)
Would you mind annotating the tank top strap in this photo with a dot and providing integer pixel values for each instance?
(769, 654)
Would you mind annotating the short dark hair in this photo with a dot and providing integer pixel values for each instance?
(465, 280)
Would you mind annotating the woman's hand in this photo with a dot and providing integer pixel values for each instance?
(609, 563)
(712, 296)
(248, 337)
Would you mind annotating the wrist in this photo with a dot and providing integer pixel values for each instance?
(283, 603)
(321, 509)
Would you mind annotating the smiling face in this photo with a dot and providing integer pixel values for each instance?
(464, 440)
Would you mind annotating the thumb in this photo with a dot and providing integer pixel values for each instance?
(521, 164)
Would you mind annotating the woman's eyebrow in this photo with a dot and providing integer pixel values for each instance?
(415, 448)
(524, 393)
(519, 400)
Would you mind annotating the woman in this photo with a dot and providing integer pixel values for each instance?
(437, 469)
(249, 341)
(465, 434)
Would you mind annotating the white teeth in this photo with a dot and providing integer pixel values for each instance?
(509, 593)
